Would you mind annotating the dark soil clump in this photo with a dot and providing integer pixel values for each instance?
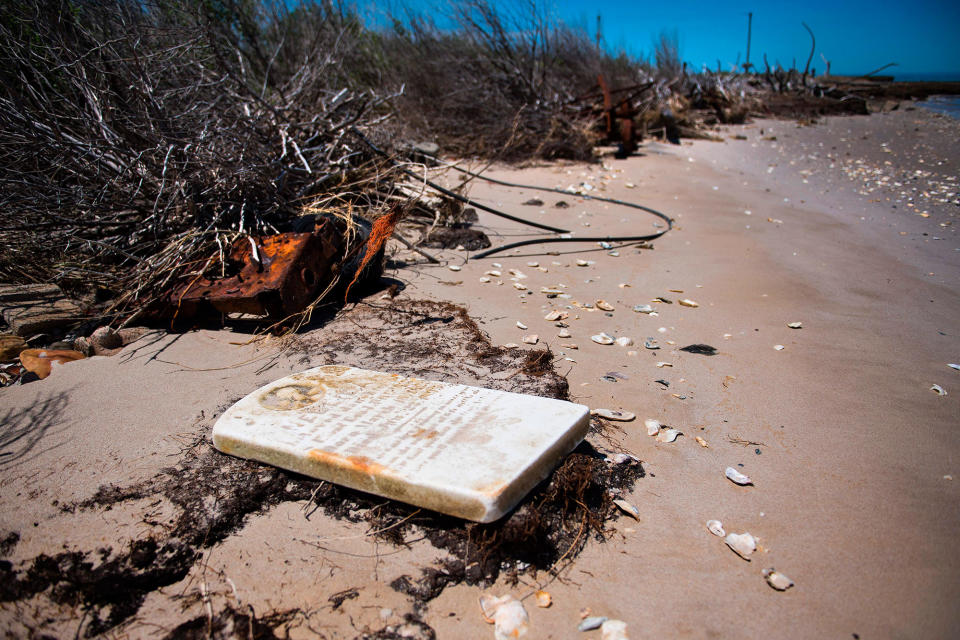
(453, 237)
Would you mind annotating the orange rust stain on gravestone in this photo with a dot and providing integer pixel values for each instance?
(359, 464)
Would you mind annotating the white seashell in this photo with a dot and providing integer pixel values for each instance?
(553, 316)
(662, 330)
(661, 365)
(533, 264)
(551, 291)
(702, 442)
(591, 623)
(643, 308)
(611, 414)
(602, 338)
(543, 598)
(668, 435)
(520, 325)
(623, 285)
(511, 345)
(653, 427)
(563, 333)
(507, 614)
(716, 528)
(484, 279)
(628, 509)
(937, 389)
(624, 341)
(584, 263)
(954, 366)
(614, 630)
(606, 306)
(795, 325)
(520, 275)
(454, 267)
(531, 339)
(743, 544)
(570, 346)
(686, 302)
(519, 287)
(650, 343)
(776, 579)
(778, 347)
(621, 458)
(497, 265)
(494, 273)
(737, 477)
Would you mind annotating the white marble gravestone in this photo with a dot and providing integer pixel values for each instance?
(465, 451)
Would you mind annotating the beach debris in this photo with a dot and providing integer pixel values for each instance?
(484, 279)
(624, 341)
(795, 325)
(776, 579)
(661, 365)
(519, 286)
(563, 333)
(643, 308)
(602, 338)
(553, 316)
(700, 349)
(778, 347)
(10, 346)
(737, 477)
(604, 305)
(743, 544)
(29, 309)
(716, 528)
(516, 273)
(665, 383)
(543, 599)
(954, 366)
(937, 389)
(613, 630)
(531, 339)
(613, 414)
(592, 622)
(651, 344)
(653, 426)
(668, 435)
(702, 442)
(622, 458)
(41, 361)
(493, 272)
(511, 345)
(454, 267)
(534, 202)
(663, 300)
(628, 508)
(520, 325)
(686, 302)
(507, 614)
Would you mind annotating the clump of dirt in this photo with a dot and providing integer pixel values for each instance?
(212, 493)
(453, 237)
(231, 623)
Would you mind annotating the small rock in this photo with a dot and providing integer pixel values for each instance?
(11, 346)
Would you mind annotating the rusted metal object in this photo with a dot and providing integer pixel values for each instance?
(618, 117)
(278, 275)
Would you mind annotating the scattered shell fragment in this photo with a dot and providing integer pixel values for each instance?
(716, 528)
(668, 435)
(507, 614)
(484, 279)
(737, 477)
(686, 302)
(563, 333)
(613, 414)
(653, 426)
(533, 264)
(937, 389)
(795, 325)
(584, 263)
(591, 623)
(661, 365)
(743, 544)
(614, 630)
(531, 339)
(606, 306)
(778, 347)
(954, 366)
(519, 286)
(553, 316)
(643, 308)
(570, 345)
(602, 338)
(543, 598)
(702, 442)
(454, 267)
(776, 579)
(511, 345)
(551, 291)
(520, 325)
(624, 341)
(628, 509)
(650, 343)
(494, 273)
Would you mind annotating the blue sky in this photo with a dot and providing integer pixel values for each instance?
(923, 36)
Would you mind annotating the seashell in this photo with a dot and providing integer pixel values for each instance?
(602, 338)
(520, 325)
(643, 308)
(494, 273)
(551, 291)
(543, 599)
(591, 623)
(611, 414)
(954, 366)
(606, 306)
(507, 614)
(650, 343)
(569, 346)
(533, 264)
(519, 287)
(563, 333)
(531, 339)
(661, 365)
(776, 579)
(653, 427)
(702, 442)
(686, 302)
(629, 185)
(496, 265)
(454, 267)
(937, 389)
(624, 285)
(662, 330)
(628, 509)
(621, 458)
(484, 279)
(511, 345)
(614, 630)
(778, 347)
(520, 275)
(553, 316)
(668, 435)
(743, 544)
(716, 528)
(624, 341)
(795, 325)
(584, 263)
(737, 477)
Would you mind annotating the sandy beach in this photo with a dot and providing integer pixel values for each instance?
(847, 226)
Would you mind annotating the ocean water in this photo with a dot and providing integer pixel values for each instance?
(947, 105)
